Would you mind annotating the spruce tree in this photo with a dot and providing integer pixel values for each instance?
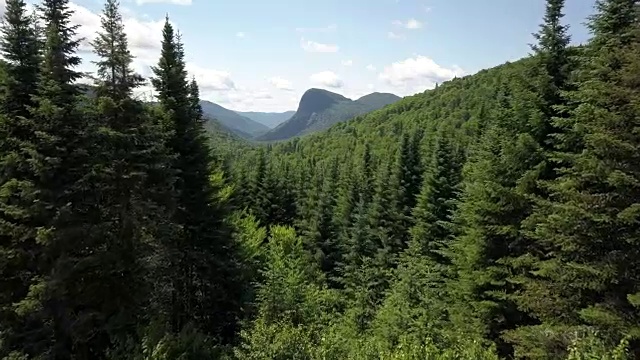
(66, 202)
(202, 285)
(20, 49)
(588, 269)
(489, 219)
(437, 201)
(128, 153)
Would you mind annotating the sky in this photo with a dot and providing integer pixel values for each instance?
(262, 55)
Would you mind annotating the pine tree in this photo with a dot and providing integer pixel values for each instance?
(20, 49)
(128, 153)
(66, 200)
(554, 65)
(588, 272)
(488, 219)
(402, 186)
(342, 220)
(202, 285)
(437, 201)
(384, 229)
(260, 192)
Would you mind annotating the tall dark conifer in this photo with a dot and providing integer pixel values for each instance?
(21, 50)
(67, 200)
(202, 292)
(588, 230)
(128, 154)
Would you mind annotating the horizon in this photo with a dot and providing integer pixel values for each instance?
(262, 57)
(294, 110)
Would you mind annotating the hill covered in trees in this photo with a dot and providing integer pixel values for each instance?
(240, 125)
(493, 217)
(319, 109)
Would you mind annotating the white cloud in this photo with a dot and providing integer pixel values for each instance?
(209, 79)
(411, 24)
(394, 36)
(245, 99)
(280, 83)
(325, 29)
(347, 62)
(312, 46)
(175, 2)
(240, 34)
(417, 74)
(327, 78)
(145, 36)
(370, 67)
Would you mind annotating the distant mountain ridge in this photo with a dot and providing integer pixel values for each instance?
(269, 119)
(238, 124)
(319, 109)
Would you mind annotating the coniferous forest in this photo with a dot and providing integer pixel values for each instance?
(496, 216)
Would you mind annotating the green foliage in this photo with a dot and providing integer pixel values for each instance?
(186, 345)
(495, 216)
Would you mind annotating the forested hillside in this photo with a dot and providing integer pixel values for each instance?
(236, 123)
(494, 217)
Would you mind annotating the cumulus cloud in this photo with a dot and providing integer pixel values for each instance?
(312, 46)
(280, 83)
(324, 29)
(144, 36)
(411, 24)
(209, 79)
(417, 74)
(327, 78)
(175, 2)
(240, 34)
(370, 67)
(245, 99)
(347, 62)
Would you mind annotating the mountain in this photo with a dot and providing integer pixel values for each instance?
(269, 119)
(319, 109)
(241, 125)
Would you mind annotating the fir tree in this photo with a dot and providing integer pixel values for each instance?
(587, 274)
(21, 48)
(66, 203)
(433, 214)
(128, 151)
(18, 192)
(202, 284)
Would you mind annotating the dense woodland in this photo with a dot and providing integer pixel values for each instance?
(496, 216)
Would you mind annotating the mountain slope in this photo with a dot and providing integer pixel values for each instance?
(320, 109)
(241, 125)
(269, 119)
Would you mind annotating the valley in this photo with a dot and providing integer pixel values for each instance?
(318, 110)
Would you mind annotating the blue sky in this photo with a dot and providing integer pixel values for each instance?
(263, 54)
